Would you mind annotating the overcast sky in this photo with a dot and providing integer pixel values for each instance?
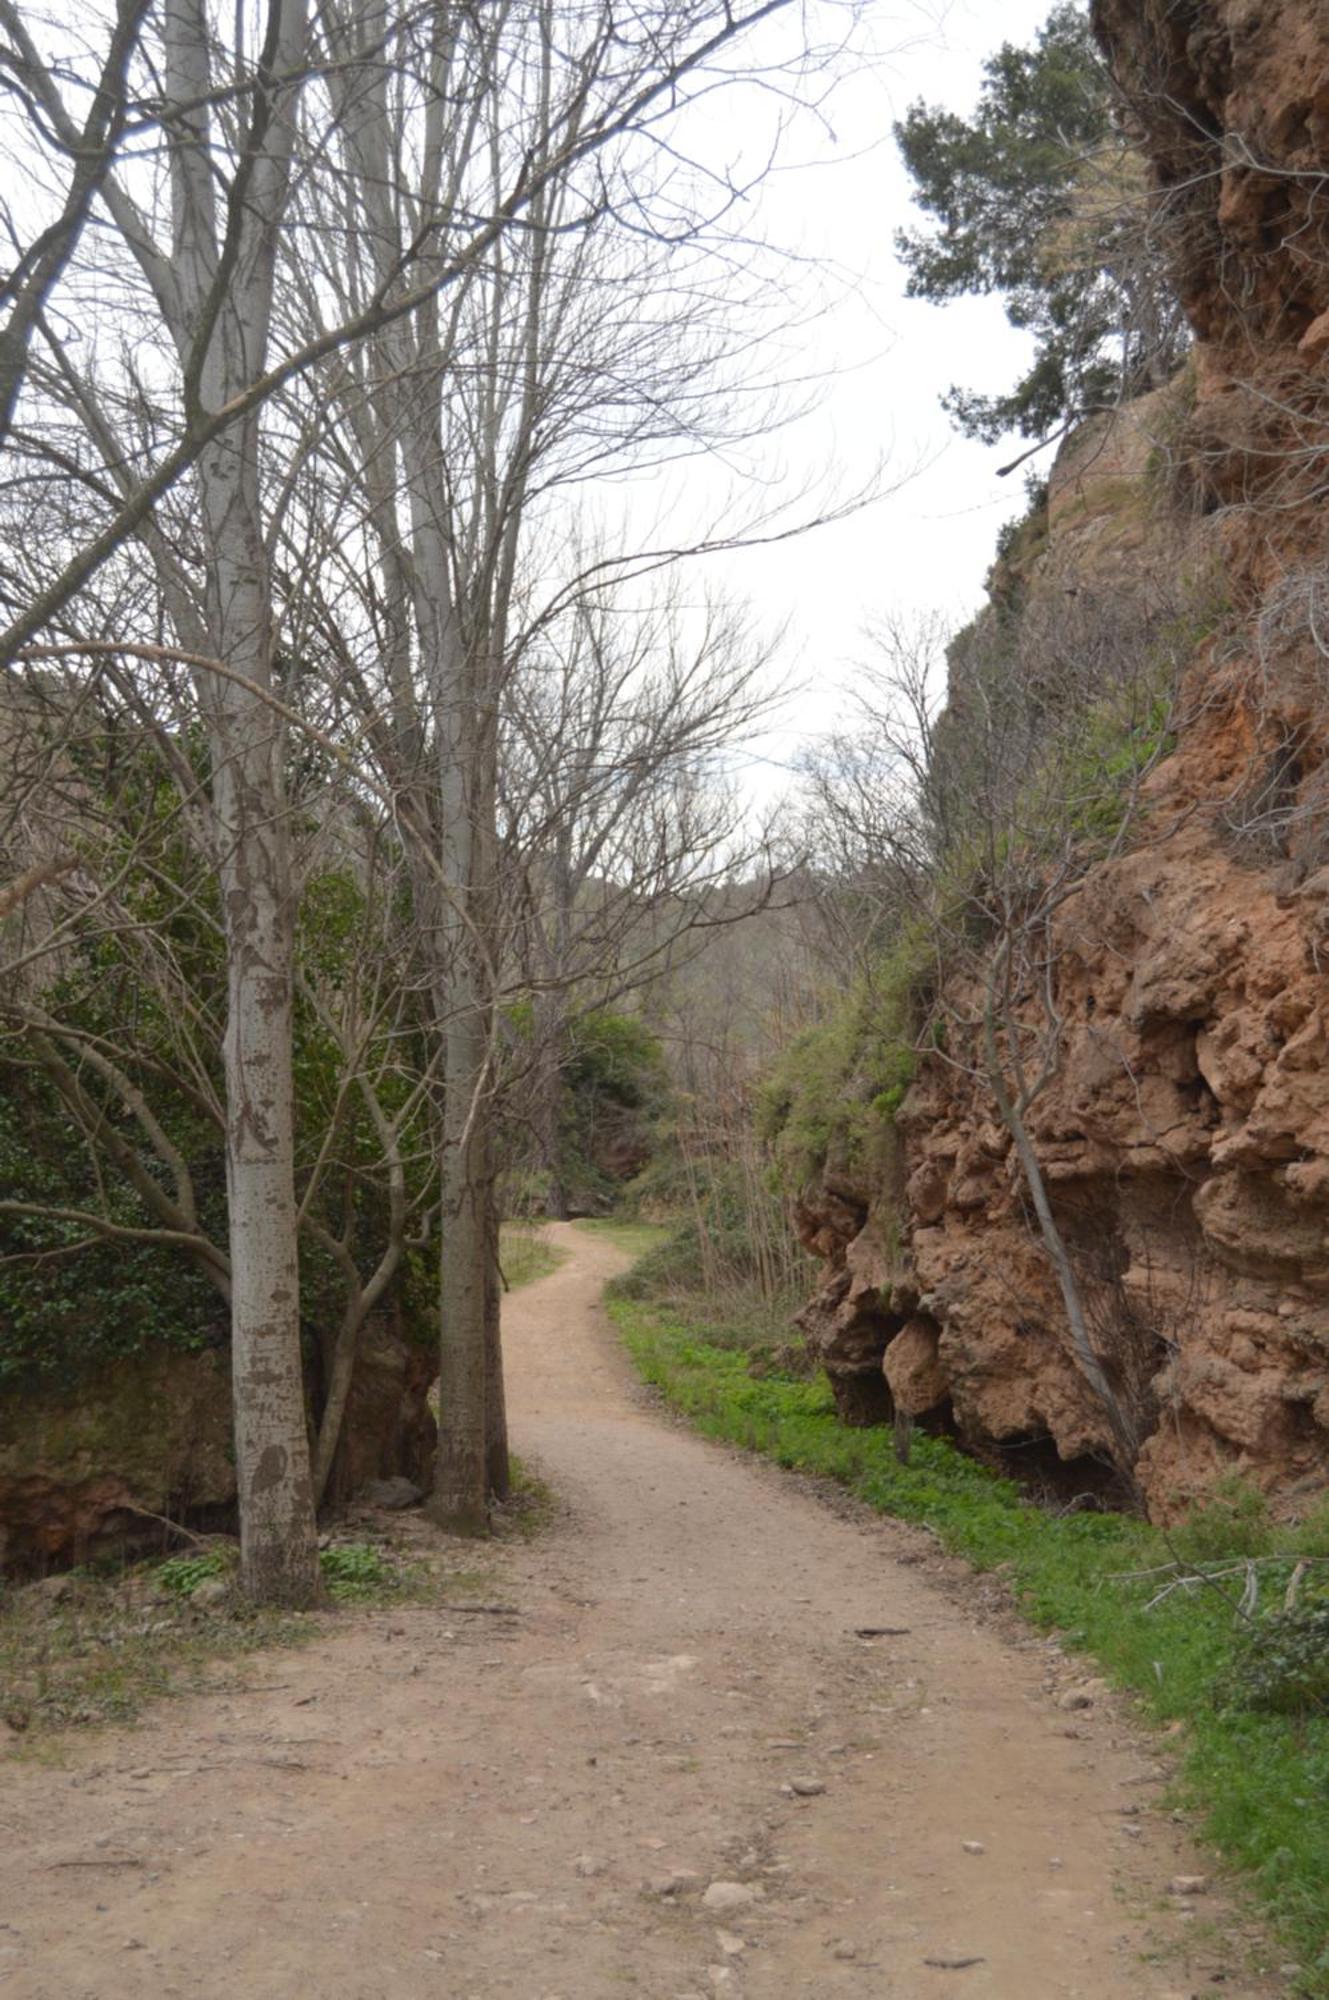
(927, 544)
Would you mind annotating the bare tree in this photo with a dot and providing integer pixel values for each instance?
(619, 833)
(576, 349)
(434, 192)
(617, 81)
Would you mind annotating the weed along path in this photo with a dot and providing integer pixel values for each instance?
(704, 1735)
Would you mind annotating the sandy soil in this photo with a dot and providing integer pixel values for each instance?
(540, 1802)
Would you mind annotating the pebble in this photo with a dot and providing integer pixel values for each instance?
(395, 1493)
(589, 1865)
(730, 1895)
(804, 1788)
(730, 1943)
(1083, 1696)
(675, 1883)
(1188, 1885)
(973, 1846)
(844, 1949)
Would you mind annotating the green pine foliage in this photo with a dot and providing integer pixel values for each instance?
(1036, 198)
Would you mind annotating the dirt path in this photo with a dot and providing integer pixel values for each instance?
(435, 1803)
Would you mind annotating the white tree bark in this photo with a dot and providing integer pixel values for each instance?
(224, 278)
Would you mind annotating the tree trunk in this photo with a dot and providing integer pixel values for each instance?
(221, 336)
(278, 1543)
(1124, 1435)
(340, 1374)
(547, 1101)
(459, 1501)
(498, 1472)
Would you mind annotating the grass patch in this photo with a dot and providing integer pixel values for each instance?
(87, 1649)
(1259, 1782)
(93, 1646)
(666, 1267)
(634, 1239)
(531, 1503)
(525, 1254)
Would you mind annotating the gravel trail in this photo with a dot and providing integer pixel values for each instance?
(673, 1768)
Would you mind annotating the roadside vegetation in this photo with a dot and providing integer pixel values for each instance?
(94, 1645)
(1193, 1623)
(525, 1254)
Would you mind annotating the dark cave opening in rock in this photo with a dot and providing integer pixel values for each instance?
(862, 1397)
(1058, 1484)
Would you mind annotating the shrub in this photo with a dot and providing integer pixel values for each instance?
(1232, 1521)
(353, 1570)
(836, 1089)
(180, 1576)
(1282, 1665)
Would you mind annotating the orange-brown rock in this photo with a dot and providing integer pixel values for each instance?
(1184, 1135)
(84, 1467)
(101, 1462)
(913, 1368)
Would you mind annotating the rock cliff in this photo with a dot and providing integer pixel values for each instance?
(1184, 1135)
(98, 1465)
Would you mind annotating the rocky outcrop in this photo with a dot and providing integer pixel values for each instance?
(102, 1463)
(388, 1431)
(1184, 1134)
(847, 1324)
(86, 1468)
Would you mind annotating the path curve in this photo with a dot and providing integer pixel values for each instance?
(437, 1805)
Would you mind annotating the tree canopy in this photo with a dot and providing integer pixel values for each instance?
(1042, 197)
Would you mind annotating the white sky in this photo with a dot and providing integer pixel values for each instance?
(926, 545)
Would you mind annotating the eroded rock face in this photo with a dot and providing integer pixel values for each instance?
(1184, 1136)
(919, 1380)
(1185, 1141)
(85, 1467)
(388, 1431)
(848, 1323)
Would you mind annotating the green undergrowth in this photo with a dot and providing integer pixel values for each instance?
(1259, 1782)
(531, 1503)
(635, 1239)
(667, 1267)
(94, 1645)
(88, 1648)
(525, 1254)
(835, 1090)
